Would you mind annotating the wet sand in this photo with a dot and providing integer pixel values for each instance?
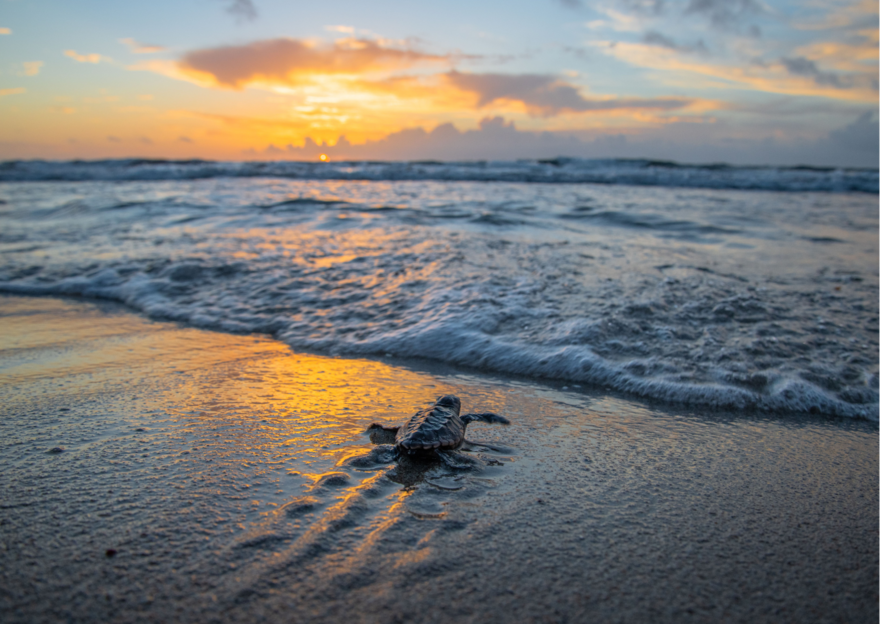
(156, 473)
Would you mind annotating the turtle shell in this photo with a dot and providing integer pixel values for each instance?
(437, 427)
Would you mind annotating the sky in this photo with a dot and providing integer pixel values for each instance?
(775, 82)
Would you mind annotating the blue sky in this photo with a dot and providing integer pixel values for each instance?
(741, 81)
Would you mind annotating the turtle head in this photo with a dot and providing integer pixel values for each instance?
(449, 400)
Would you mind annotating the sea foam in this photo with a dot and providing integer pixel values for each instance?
(715, 298)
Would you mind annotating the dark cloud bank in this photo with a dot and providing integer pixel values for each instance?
(548, 95)
(854, 145)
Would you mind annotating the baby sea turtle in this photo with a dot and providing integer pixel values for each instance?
(435, 429)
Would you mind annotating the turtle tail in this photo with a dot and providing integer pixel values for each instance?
(486, 417)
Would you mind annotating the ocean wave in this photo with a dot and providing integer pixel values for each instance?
(642, 349)
(556, 171)
(718, 299)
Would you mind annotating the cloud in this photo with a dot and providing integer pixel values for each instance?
(242, 10)
(184, 139)
(15, 91)
(5, 31)
(652, 37)
(801, 66)
(141, 48)
(860, 136)
(579, 53)
(84, 58)
(289, 61)
(852, 16)
(773, 77)
(848, 45)
(854, 57)
(724, 14)
(840, 62)
(349, 30)
(497, 138)
(113, 139)
(643, 7)
(547, 95)
(31, 68)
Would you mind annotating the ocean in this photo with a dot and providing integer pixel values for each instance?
(736, 288)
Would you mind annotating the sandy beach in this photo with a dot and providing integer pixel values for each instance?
(152, 472)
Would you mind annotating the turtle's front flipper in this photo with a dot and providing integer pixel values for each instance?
(382, 434)
(486, 417)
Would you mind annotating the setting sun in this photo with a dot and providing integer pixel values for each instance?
(323, 158)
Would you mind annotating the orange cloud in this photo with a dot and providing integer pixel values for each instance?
(31, 68)
(15, 91)
(83, 58)
(141, 48)
(341, 29)
(290, 62)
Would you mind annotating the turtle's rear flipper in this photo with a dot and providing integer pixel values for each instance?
(477, 445)
(486, 417)
(382, 434)
(457, 460)
(378, 456)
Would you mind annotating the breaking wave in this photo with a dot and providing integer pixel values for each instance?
(556, 171)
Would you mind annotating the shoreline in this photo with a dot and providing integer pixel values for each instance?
(613, 381)
(213, 466)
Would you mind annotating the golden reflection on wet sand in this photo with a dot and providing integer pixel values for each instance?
(243, 402)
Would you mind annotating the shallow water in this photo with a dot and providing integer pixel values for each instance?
(207, 477)
(731, 299)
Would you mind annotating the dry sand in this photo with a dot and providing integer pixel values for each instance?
(207, 478)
